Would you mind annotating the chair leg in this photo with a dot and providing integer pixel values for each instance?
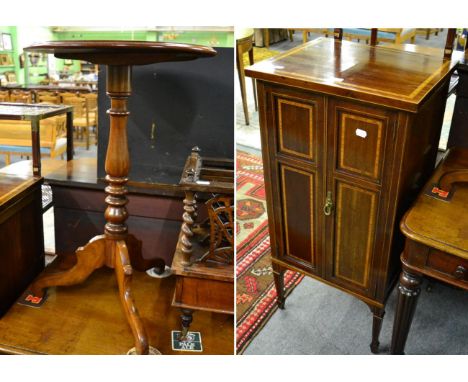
(254, 86)
(241, 74)
(86, 129)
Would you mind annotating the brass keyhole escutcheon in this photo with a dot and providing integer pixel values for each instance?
(328, 207)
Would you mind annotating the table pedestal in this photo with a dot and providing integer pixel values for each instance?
(115, 249)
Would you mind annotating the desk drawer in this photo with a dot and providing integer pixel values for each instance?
(449, 265)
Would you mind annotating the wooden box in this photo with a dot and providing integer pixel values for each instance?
(21, 236)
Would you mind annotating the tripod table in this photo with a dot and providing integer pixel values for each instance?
(113, 248)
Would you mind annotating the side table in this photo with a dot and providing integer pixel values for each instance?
(114, 248)
(436, 230)
(35, 113)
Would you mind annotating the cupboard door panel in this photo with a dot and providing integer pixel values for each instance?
(361, 135)
(299, 224)
(354, 235)
(295, 128)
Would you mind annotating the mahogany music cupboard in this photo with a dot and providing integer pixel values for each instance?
(349, 136)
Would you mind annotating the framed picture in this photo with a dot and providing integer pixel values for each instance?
(6, 40)
(5, 60)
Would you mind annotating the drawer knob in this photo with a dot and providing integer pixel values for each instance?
(460, 272)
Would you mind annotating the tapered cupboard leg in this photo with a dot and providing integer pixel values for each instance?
(378, 315)
(278, 275)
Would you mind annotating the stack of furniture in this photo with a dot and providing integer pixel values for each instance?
(346, 148)
(204, 259)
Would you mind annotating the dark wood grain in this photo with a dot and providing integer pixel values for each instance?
(122, 52)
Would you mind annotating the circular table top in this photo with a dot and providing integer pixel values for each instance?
(113, 52)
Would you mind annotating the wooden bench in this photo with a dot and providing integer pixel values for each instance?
(15, 137)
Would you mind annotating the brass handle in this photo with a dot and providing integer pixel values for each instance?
(328, 207)
(460, 272)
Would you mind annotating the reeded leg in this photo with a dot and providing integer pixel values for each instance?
(123, 271)
(90, 257)
(278, 275)
(186, 317)
(408, 293)
(376, 327)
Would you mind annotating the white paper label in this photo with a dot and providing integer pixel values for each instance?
(361, 133)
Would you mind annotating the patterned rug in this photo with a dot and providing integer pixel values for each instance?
(255, 291)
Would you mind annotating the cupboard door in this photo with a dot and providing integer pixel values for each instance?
(298, 206)
(295, 135)
(357, 139)
(354, 236)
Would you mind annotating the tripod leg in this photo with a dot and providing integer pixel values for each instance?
(123, 271)
(90, 257)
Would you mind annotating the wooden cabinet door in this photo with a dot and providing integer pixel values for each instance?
(293, 144)
(359, 140)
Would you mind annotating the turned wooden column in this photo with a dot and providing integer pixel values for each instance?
(117, 158)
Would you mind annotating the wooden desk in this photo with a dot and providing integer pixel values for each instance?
(21, 236)
(93, 308)
(349, 136)
(436, 245)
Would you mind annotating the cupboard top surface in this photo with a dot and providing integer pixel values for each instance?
(11, 186)
(396, 78)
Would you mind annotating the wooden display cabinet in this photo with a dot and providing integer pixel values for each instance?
(349, 136)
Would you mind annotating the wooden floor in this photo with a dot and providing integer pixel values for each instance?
(88, 319)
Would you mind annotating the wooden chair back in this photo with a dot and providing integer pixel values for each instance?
(448, 50)
(65, 95)
(21, 97)
(53, 99)
(79, 106)
(4, 96)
